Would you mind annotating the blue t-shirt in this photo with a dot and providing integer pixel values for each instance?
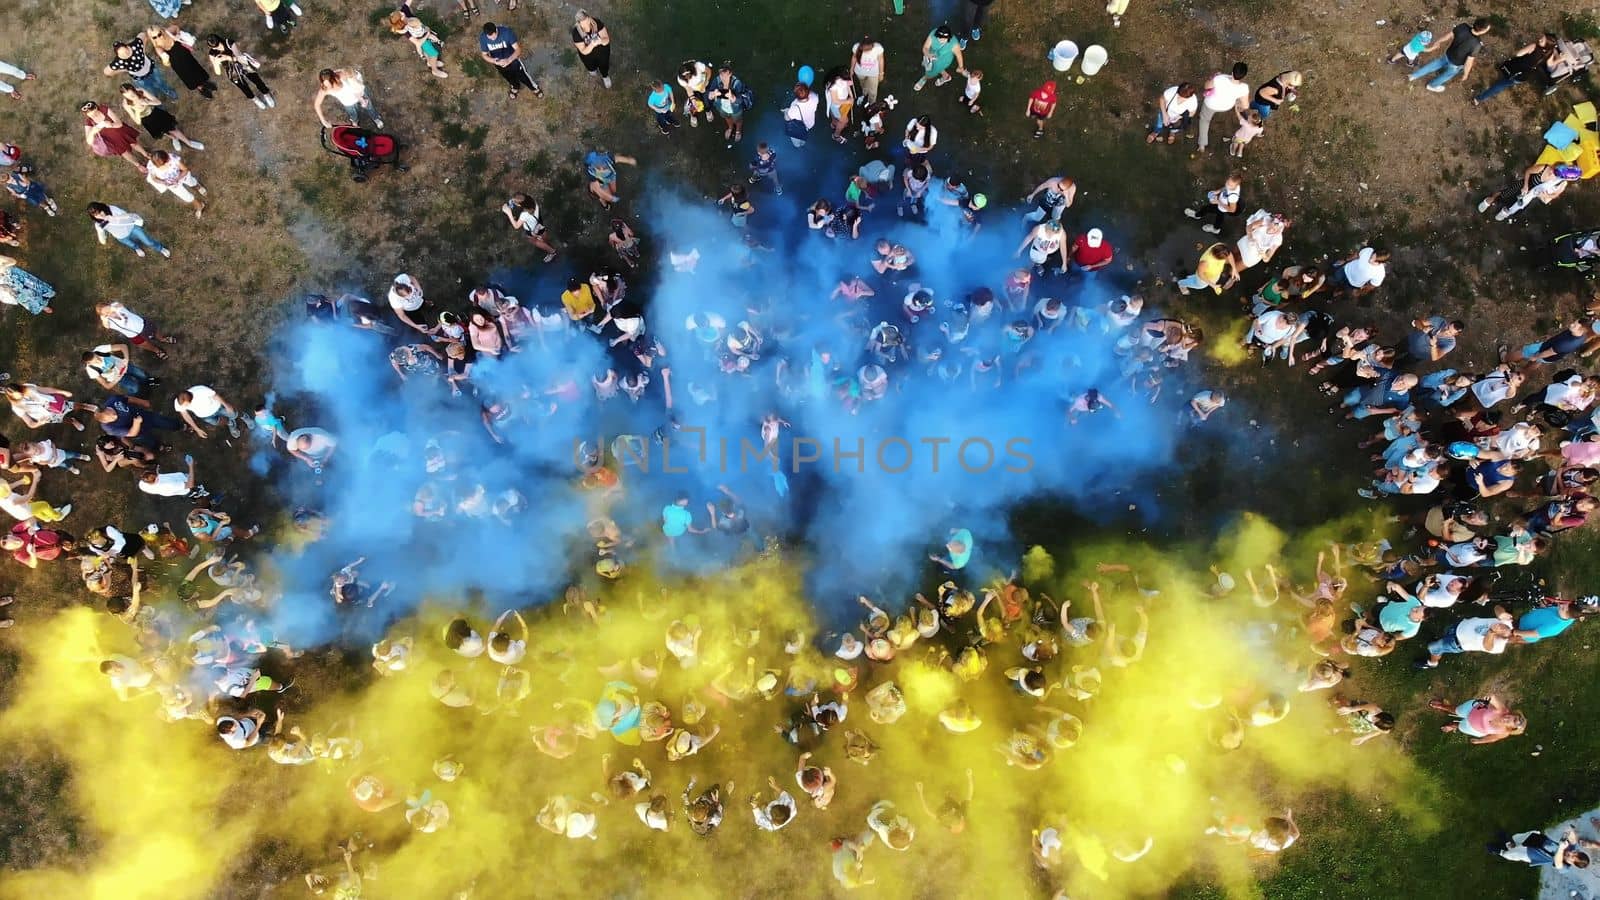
(660, 99)
(675, 520)
(959, 560)
(1418, 340)
(1395, 617)
(499, 46)
(1546, 620)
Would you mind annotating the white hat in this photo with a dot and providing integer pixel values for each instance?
(1095, 237)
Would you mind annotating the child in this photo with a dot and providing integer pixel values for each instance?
(1413, 48)
(765, 166)
(660, 103)
(1042, 106)
(872, 125)
(280, 13)
(971, 210)
(21, 185)
(1249, 127)
(969, 97)
(742, 207)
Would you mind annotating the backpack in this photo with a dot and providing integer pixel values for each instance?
(747, 97)
(595, 162)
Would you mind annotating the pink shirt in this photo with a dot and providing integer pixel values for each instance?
(1581, 453)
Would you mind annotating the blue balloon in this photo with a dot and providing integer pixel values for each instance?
(807, 75)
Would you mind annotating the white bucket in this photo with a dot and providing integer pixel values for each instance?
(1093, 59)
(1063, 55)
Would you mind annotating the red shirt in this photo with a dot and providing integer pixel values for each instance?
(1090, 257)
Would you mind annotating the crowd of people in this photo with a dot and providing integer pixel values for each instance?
(1507, 456)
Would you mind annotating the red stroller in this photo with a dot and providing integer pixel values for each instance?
(366, 150)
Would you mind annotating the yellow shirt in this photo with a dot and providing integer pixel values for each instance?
(1210, 267)
(579, 303)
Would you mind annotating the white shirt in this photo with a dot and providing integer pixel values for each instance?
(240, 737)
(1259, 238)
(352, 87)
(1473, 634)
(1492, 388)
(1227, 196)
(805, 111)
(1174, 107)
(122, 320)
(1363, 272)
(869, 62)
(134, 675)
(930, 136)
(204, 405)
(167, 484)
(46, 453)
(119, 225)
(1225, 93)
(405, 304)
(1438, 597)
(763, 814)
(512, 655)
(526, 220)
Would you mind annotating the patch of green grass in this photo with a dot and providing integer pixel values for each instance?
(537, 165)
(1581, 26)
(455, 134)
(475, 67)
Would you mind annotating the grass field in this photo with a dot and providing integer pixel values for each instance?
(1362, 157)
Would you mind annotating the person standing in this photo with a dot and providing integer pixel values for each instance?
(1225, 93)
(1282, 88)
(1174, 112)
(1042, 107)
(139, 331)
(976, 13)
(405, 298)
(730, 99)
(1224, 202)
(523, 212)
(1054, 195)
(128, 58)
(1218, 270)
(593, 42)
(109, 137)
(866, 64)
(841, 95)
(11, 71)
(765, 166)
(173, 46)
(1361, 273)
(694, 77)
(939, 52)
(800, 116)
(169, 174)
(660, 101)
(350, 90)
(146, 109)
(125, 227)
(499, 47)
(239, 67)
(202, 402)
(1465, 41)
(278, 16)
